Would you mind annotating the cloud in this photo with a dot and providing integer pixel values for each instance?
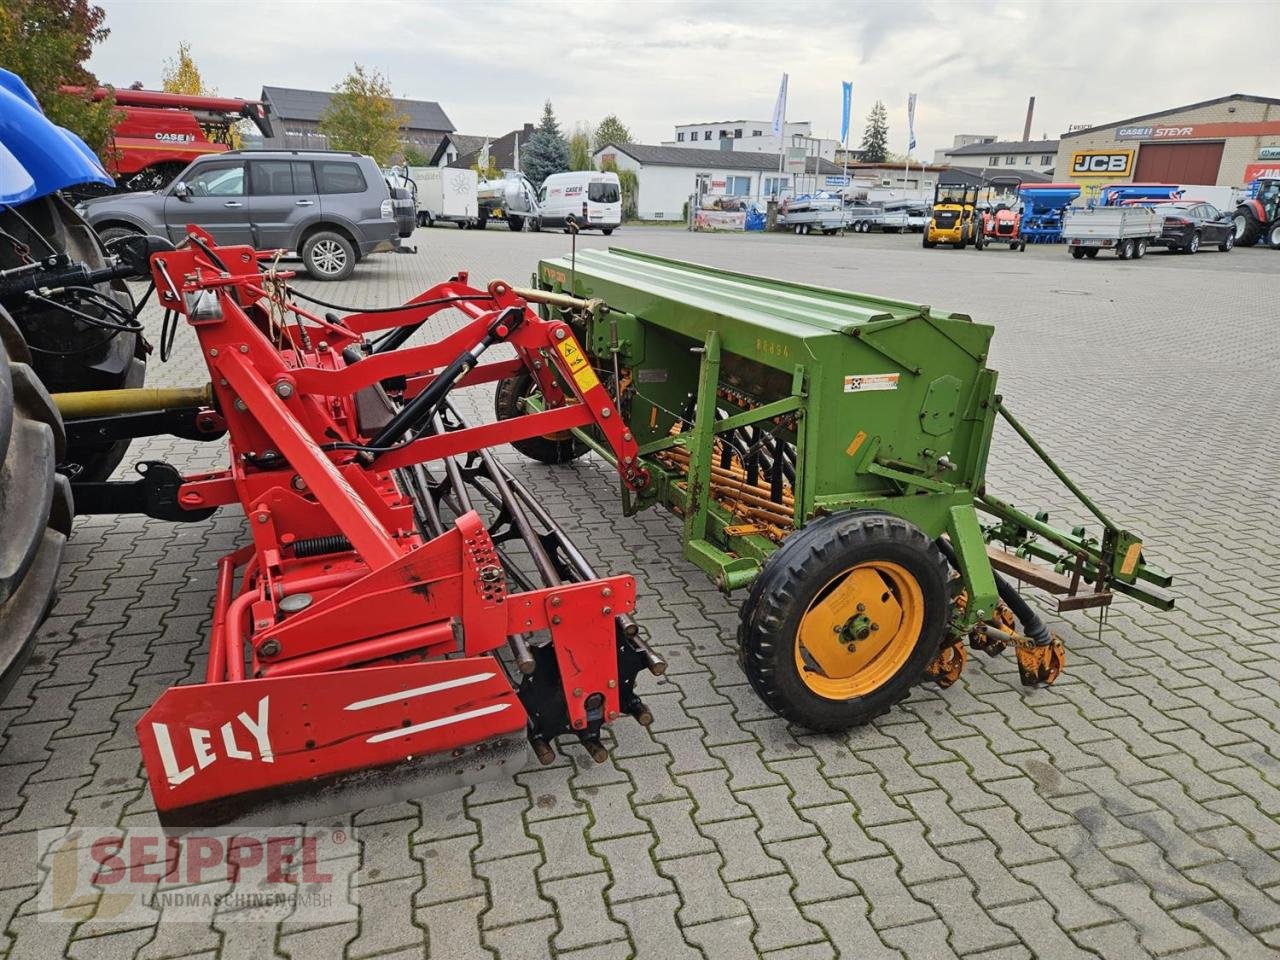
(659, 63)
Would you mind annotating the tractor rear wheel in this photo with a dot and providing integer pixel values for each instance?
(35, 502)
(844, 618)
(559, 447)
(1247, 228)
(69, 353)
(1273, 237)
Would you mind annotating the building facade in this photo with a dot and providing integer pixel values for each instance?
(667, 176)
(1224, 142)
(1005, 156)
(962, 140)
(295, 116)
(752, 136)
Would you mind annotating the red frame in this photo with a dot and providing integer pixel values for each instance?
(380, 614)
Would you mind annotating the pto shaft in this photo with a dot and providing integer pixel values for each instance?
(105, 403)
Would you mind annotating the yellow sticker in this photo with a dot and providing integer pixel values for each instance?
(858, 440)
(578, 364)
(1131, 558)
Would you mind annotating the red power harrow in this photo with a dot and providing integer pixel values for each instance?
(374, 642)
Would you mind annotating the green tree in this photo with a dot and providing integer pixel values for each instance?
(611, 130)
(181, 75)
(629, 184)
(547, 152)
(875, 141)
(580, 148)
(46, 43)
(414, 156)
(362, 117)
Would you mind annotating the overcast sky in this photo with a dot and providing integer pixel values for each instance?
(491, 64)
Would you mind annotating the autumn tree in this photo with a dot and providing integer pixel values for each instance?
(611, 130)
(181, 75)
(547, 151)
(362, 117)
(580, 148)
(875, 141)
(46, 43)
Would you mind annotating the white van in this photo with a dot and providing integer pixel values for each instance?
(593, 198)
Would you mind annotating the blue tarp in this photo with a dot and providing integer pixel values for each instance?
(36, 156)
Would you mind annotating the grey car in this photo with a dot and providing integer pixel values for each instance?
(330, 207)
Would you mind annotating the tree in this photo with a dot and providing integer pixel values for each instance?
(181, 75)
(611, 130)
(415, 156)
(875, 141)
(46, 42)
(362, 117)
(580, 148)
(629, 184)
(547, 152)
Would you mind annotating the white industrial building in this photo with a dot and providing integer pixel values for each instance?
(667, 176)
(752, 136)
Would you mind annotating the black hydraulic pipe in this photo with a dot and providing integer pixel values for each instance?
(421, 408)
(1032, 626)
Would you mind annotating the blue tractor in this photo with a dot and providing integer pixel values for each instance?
(67, 322)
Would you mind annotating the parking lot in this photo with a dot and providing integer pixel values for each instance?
(1131, 810)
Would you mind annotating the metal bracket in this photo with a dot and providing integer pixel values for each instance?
(154, 495)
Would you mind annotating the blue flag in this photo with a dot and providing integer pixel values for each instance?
(911, 122)
(846, 100)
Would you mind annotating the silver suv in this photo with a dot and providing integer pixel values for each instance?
(330, 207)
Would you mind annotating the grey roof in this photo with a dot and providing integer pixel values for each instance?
(464, 143)
(289, 103)
(501, 151)
(1246, 97)
(1001, 147)
(714, 159)
(981, 175)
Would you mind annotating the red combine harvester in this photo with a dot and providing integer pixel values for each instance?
(160, 133)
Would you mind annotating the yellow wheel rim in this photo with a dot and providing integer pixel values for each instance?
(859, 630)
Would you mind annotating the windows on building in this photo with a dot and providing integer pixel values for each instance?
(680, 137)
(737, 186)
(1026, 161)
(724, 134)
(1046, 159)
(706, 134)
(775, 186)
(757, 133)
(737, 134)
(1009, 160)
(995, 162)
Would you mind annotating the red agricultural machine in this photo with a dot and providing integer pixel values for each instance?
(1002, 219)
(159, 133)
(1257, 218)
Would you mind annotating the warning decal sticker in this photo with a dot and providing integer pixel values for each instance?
(856, 382)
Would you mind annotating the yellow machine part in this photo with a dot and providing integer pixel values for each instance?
(105, 403)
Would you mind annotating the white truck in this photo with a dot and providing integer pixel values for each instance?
(442, 194)
(1126, 230)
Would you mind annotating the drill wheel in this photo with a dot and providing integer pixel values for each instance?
(560, 447)
(844, 619)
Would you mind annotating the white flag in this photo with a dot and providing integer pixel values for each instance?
(911, 122)
(515, 154)
(483, 163)
(780, 109)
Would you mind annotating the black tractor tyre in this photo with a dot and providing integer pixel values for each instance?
(35, 503)
(67, 353)
(1247, 228)
(805, 570)
(552, 448)
(1273, 236)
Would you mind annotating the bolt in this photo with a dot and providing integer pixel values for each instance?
(555, 621)
(875, 626)
(606, 413)
(607, 592)
(284, 389)
(269, 648)
(606, 610)
(244, 348)
(861, 607)
(323, 346)
(577, 691)
(537, 364)
(213, 352)
(627, 436)
(612, 684)
(241, 405)
(222, 382)
(298, 483)
(263, 518)
(560, 334)
(613, 714)
(555, 601)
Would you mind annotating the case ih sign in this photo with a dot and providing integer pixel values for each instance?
(1199, 131)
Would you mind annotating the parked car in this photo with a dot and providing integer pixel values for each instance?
(329, 207)
(1190, 226)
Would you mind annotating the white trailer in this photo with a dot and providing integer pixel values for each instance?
(1126, 230)
(442, 194)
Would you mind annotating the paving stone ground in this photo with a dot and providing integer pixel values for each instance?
(1132, 810)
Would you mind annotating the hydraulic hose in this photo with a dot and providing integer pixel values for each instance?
(1032, 626)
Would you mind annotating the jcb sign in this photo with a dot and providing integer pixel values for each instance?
(1102, 163)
